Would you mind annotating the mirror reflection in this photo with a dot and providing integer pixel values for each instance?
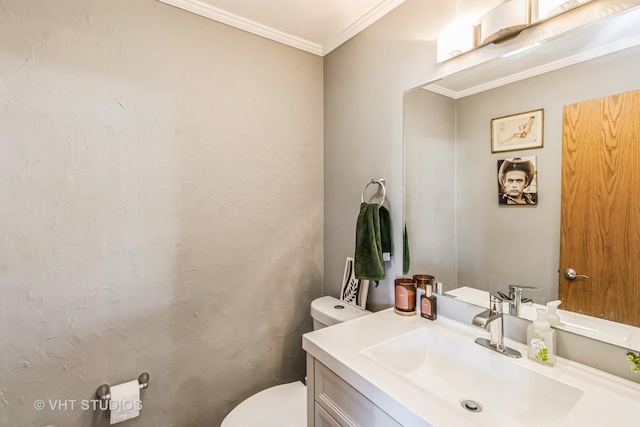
(458, 231)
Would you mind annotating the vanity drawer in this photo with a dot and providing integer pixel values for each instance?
(323, 419)
(344, 403)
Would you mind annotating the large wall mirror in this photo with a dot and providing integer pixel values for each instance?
(457, 229)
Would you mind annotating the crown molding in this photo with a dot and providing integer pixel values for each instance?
(433, 87)
(372, 16)
(241, 23)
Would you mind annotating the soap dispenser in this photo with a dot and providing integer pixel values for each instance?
(552, 315)
(541, 340)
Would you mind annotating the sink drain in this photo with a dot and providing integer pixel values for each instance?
(471, 405)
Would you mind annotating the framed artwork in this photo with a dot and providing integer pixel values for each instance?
(517, 132)
(518, 181)
(354, 291)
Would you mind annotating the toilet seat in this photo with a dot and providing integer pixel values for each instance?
(284, 405)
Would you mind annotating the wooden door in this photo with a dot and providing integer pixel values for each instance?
(600, 226)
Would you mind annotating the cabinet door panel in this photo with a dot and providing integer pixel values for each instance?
(345, 404)
(323, 419)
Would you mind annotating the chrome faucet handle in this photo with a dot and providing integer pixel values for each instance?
(515, 293)
(521, 288)
(495, 302)
(496, 297)
(505, 297)
(515, 298)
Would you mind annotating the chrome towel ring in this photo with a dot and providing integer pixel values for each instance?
(380, 182)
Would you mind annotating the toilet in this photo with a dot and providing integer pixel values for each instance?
(285, 405)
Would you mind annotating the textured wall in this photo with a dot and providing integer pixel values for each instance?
(160, 209)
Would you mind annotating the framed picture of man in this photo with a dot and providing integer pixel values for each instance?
(517, 132)
(518, 181)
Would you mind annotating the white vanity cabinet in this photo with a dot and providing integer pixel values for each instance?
(331, 402)
(385, 370)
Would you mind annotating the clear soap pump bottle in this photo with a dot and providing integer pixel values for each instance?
(541, 340)
(552, 314)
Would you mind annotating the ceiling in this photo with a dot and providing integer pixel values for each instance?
(316, 26)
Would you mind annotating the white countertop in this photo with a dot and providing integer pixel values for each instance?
(607, 400)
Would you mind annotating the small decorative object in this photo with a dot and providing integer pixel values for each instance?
(354, 291)
(422, 280)
(517, 181)
(428, 305)
(517, 132)
(634, 358)
(405, 290)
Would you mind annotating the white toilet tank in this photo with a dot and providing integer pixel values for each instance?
(328, 311)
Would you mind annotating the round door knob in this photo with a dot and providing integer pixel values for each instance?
(570, 274)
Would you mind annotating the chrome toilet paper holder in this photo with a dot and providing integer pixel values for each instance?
(104, 391)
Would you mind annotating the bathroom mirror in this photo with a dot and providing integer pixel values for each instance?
(457, 230)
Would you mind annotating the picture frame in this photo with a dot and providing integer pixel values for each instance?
(521, 131)
(518, 181)
(354, 291)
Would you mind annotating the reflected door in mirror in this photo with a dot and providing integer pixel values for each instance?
(600, 225)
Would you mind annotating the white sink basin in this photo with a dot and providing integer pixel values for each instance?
(454, 370)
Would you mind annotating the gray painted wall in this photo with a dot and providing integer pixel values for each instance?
(160, 209)
(430, 183)
(364, 83)
(502, 245)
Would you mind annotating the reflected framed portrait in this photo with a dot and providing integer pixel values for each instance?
(517, 132)
(518, 181)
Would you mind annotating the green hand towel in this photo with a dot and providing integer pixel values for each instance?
(368, 256)
(406, 259)
(386, 234)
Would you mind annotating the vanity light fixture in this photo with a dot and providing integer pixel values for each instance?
(499, 24)
(468, 33)
(456, 39)
(504, 21)
(545, 9)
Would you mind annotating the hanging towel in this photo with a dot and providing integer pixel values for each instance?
(386, 234)
(406, 258)
(368, 256)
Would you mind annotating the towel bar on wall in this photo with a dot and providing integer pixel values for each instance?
(103, 392)
(380, 182)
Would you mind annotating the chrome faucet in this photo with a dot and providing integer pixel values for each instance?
(515, 298)
(493, 320)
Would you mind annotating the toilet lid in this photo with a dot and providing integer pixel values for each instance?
(280, 406)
